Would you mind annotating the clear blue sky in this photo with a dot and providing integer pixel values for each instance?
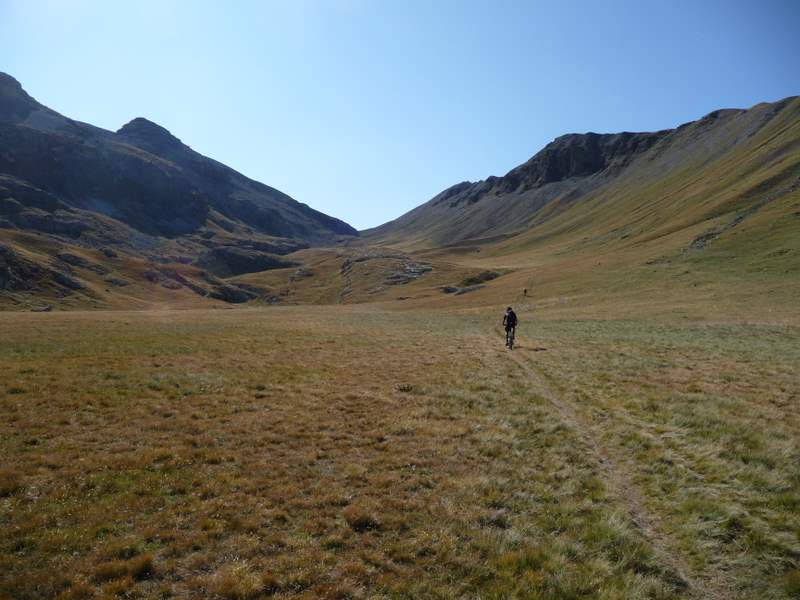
(366, 108)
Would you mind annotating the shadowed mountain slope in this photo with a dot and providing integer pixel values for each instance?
(139, 191)
(142, 176)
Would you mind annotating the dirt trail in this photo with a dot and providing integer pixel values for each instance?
(617, 471)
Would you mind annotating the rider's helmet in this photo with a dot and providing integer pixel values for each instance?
(508, 309)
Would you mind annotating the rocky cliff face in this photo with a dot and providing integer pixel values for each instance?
(579, 155)
(569, 156)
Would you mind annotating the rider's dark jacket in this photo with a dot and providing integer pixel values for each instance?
(510, 319)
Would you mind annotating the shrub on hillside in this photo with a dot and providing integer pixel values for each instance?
(10, 482)
(479, 278)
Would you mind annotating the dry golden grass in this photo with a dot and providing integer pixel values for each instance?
(354, 452)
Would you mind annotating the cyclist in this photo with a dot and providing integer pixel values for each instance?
(510, 324)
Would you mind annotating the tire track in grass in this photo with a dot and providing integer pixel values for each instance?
(617, 477)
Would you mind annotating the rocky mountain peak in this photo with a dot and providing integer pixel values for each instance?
(50, 163)
(7, 82)
(15, 103)
(150, 136)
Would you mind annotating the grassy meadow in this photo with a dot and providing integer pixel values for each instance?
(360, 452)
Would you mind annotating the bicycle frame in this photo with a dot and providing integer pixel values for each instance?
(510, 338)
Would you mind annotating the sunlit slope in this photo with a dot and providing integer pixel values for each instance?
(711, 176)
(646, 186)
(706, 216)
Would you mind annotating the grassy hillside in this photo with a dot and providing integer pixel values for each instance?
(728, 161)
(707, 220)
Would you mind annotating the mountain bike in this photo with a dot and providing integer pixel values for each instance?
(510, 338)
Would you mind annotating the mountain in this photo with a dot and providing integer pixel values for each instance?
(638, 184)
(704, 214)
(142, 176)
(703, 218)
(139, 191)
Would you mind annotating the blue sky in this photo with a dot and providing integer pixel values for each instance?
(365, 109)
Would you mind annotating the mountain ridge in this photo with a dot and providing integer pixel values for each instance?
(569, 167)
(134, 217)
(141, 193)
(22, 119)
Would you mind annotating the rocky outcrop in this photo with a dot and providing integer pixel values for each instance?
(399, 268)
(20, 274)
(80, 262)
(16, 273)
(579, 155)
(228, 261)
(571, 155)
(372, 270)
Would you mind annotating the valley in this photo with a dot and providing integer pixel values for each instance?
(211, 390)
